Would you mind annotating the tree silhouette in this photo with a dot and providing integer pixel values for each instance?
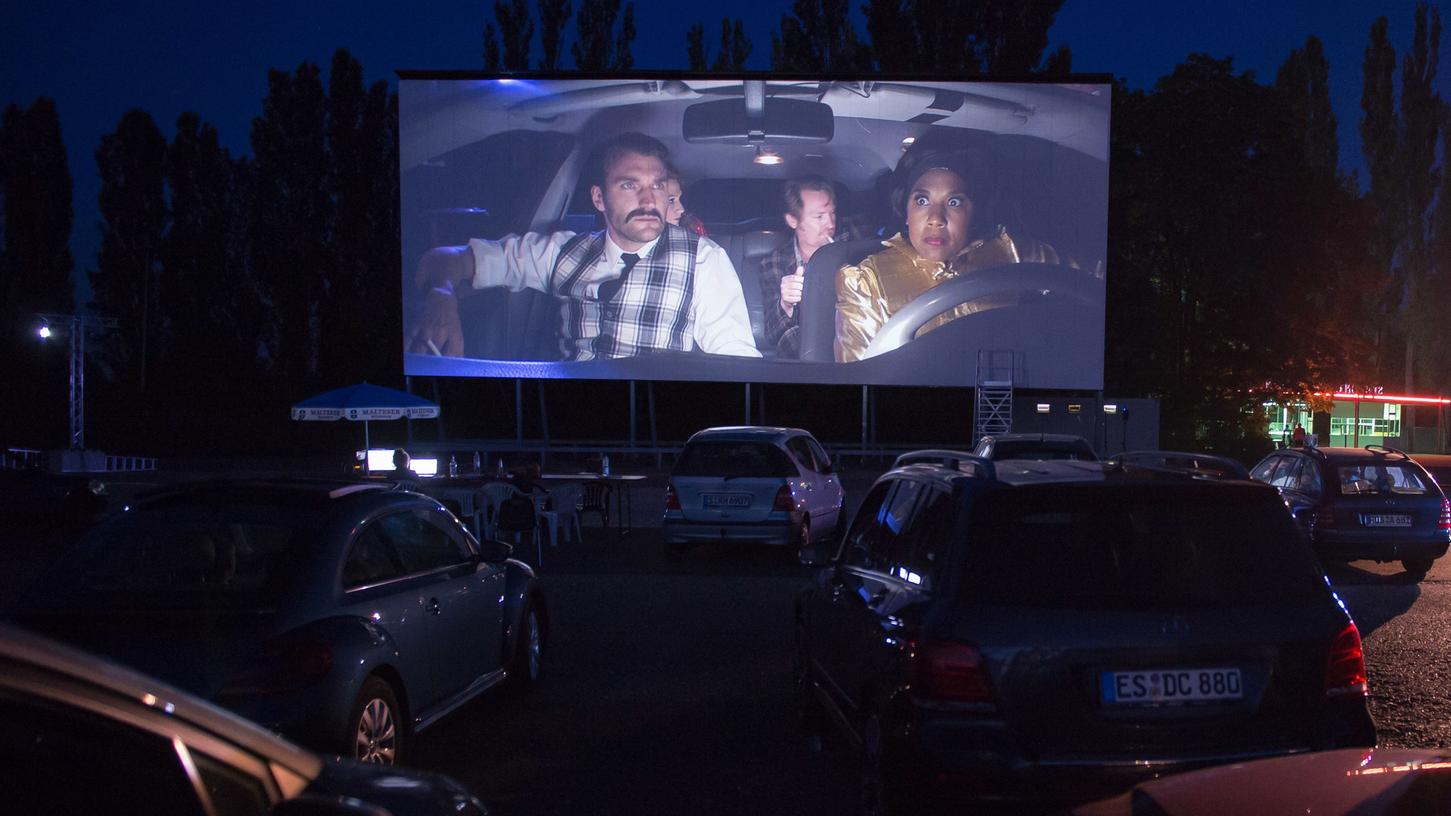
(492, 59)
(291, 213)
(35, 269)
(1422, 114)
(818, 36)
(594, 33)
(516, 31)
(553, 15)
(134, 219)
(1305, 79)
(623, 59)
(735, 47)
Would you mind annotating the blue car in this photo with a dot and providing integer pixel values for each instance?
(346, 616)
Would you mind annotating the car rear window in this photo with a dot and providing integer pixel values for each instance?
(734, 459)
(1040, 451)
(1380, 477)
(1145, 547)
(180, 558)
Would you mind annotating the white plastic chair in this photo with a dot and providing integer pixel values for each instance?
(491, 495)
(564, 515)
(516, 532)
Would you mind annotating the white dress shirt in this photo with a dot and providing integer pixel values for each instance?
(721, 324)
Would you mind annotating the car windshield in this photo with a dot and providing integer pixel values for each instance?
(1148, 547)
(734, 459)
(183, 557)
(1380, 477)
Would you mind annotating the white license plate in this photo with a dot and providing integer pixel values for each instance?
(1170, 686)
(1370, 520)
(727, 500)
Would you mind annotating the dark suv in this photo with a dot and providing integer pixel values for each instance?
(1372, 503)
(1034, 446)
(1035, 633)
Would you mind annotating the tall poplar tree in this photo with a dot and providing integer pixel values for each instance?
(35, 269)
(553, 15)
(516, 31)
(134, 220)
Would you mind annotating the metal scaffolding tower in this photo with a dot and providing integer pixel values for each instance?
(993, 411)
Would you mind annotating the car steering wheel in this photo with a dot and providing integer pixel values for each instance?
(1077, 286)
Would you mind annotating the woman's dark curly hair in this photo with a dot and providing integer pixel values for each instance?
(964, 152)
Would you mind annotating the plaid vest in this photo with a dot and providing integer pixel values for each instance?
(651, 311)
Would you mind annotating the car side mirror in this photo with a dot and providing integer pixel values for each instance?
(495, 552)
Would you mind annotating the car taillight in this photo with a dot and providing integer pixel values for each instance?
(1345, 668)
(945, 670)
(287, 663)
(784, 501)
(672, 501)
(1444, 525)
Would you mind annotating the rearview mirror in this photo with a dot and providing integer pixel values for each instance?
(727, 121)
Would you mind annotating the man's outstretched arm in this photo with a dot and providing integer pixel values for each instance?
(441, 272)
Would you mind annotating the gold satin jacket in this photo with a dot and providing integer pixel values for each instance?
(869, 293)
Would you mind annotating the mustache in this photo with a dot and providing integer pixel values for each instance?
(652, 213)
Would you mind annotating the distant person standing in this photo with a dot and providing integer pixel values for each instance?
(402, 474)
(1297, 436)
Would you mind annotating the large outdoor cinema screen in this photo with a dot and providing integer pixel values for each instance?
(749, 229)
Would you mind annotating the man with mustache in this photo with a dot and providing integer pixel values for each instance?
(638, 286)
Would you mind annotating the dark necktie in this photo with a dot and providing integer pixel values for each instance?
(610, 288)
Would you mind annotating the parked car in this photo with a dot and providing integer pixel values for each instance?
(1034, 446)
(1203, 465)
(346, 616)
(1439, 466)
(84, 735)
(1362, 503)
(1039, 633)
(1344, 782)
(747, 483)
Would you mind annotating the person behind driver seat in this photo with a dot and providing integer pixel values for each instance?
(943, 189)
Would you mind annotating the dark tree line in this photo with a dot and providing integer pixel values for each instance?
(237, 284)
(1244, 265)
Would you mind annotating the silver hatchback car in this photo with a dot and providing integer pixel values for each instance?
(752, 483)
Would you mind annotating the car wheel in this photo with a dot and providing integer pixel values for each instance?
(1417, 566)
(375, 732)
(527, 661)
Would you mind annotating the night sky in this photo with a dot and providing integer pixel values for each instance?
(100, 60)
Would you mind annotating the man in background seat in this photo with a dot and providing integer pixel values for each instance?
(810, 213)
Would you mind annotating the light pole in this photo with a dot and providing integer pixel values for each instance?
(76, 325)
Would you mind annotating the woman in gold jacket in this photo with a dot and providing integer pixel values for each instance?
(939, 192)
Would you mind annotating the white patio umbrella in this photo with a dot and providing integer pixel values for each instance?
(364, 403)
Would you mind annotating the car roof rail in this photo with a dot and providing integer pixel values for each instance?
(950, 459)
(1386, 449)
(1198, 465)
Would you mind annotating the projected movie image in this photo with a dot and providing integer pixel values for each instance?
(871, 232)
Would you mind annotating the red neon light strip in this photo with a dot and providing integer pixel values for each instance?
(1391, 398)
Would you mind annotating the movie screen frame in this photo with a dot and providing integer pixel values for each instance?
(968, 238)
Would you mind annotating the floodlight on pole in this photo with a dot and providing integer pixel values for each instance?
(76, 325)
